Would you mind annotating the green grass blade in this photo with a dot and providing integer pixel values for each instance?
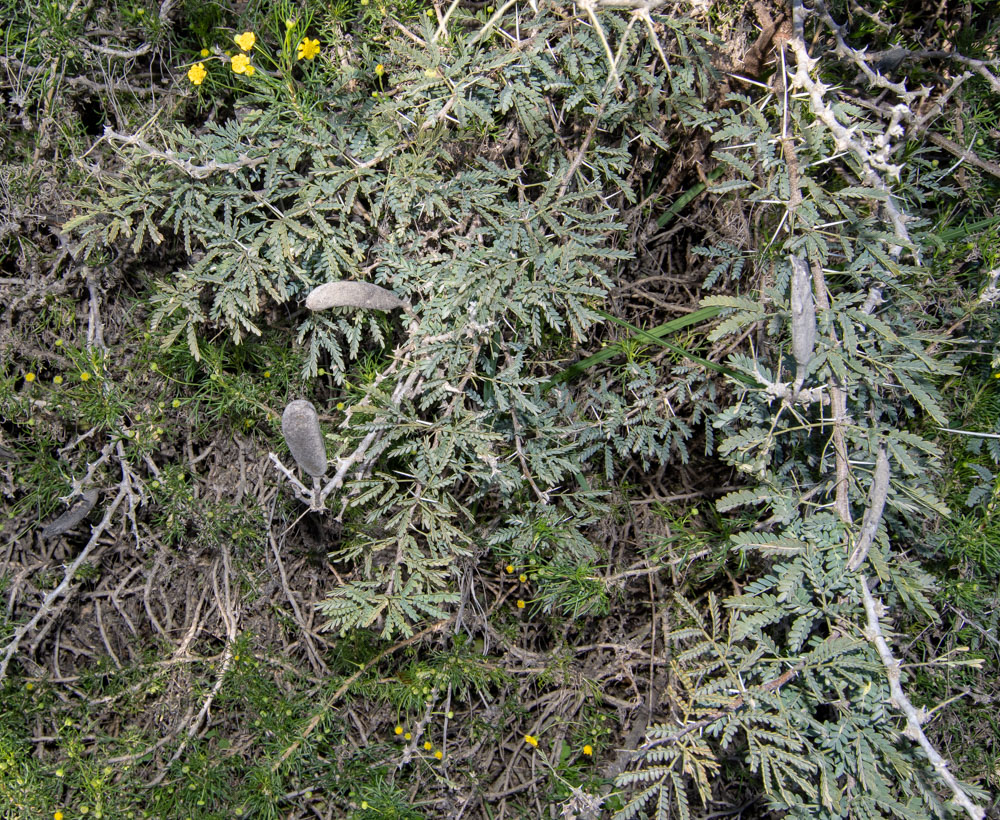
(655, 335)
(684, 199)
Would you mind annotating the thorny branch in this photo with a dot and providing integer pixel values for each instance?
(914, 717)
(873, 157)
(178, 160)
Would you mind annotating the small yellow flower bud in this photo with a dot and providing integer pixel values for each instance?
(408, 736)
(438, 754)
(57, 380)
(588, 750)
(428, 746)
(204, 52)
(531, 740)
(85, 376)
(399, 730)
(520, 604)
(510, 569)
(522, 578)
(29, 377)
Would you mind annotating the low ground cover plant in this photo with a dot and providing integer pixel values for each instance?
(481, 410)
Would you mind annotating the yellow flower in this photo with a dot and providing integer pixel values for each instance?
(430, 12)
(531, 740)
(29, 377)
(250, 70)
(438, 754)
(379, 70)
(408, 736)
(399, 730)
(197, 73)
(520, 604)
(428, 746)
(588, 750)
(57, 816)
(240, 63)
(510, 569)
(175, 403)
(522, 577)
(289, 24)
(308, 49)
(85, 376)
(245, 40)
(205, 52)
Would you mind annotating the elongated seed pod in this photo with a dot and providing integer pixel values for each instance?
(803, 314)
(353, 294)
(300, 426)
(73, 516)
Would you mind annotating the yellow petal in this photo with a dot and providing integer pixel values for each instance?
(245, 40)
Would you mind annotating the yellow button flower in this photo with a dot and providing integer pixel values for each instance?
(250, 70)
(29, 377)
(531, 740)
(522, 578)
(428, 746)
(85, 376)
(438, 754)
(399, 730)
(588, 750)
(205, 52)
(245, 40)
(57, 380)
(520, 604)
(240, 63)
(197, 73)
(308, 49)
(510, 569)
(379, 70)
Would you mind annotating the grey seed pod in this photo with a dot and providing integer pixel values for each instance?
(73, 516)
(300, 426)
(353, 294)
(803, 314)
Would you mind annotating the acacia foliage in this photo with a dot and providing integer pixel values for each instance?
(454, 190)
(458, 192)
